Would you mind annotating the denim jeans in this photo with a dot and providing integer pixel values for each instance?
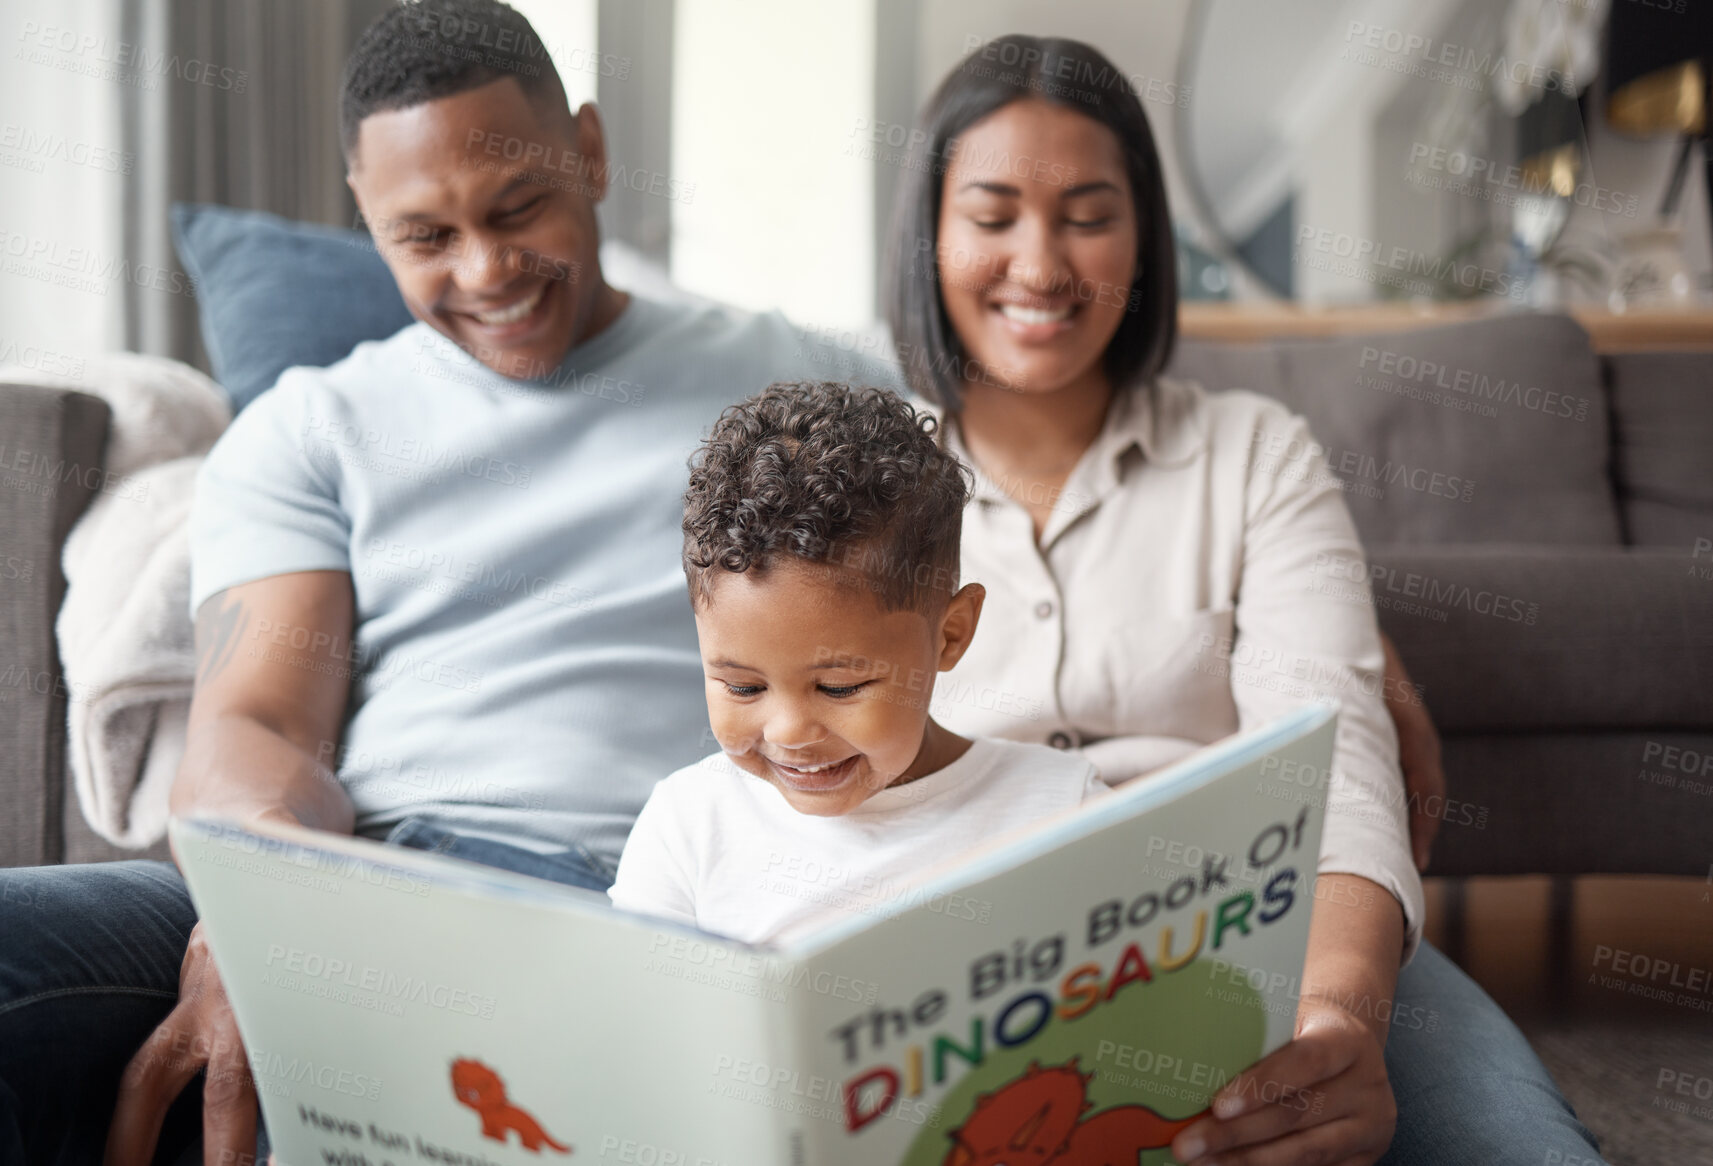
(90, 955)
(89, 963)
(1468, 1086)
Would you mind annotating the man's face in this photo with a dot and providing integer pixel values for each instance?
(816, 689)
(483, 206)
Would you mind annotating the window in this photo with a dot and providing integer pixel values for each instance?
(570, 30)
(770, 101)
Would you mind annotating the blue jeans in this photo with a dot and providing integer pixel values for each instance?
(89, 963)
(90, 955)
(1468, 1086)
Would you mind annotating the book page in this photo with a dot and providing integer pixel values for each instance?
(1126, 960)
(404, 1008)
(1112, 983)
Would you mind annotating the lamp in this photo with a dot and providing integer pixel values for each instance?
(1659, 62)
(1549, 144)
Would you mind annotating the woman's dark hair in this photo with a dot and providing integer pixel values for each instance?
(1060, 72)
(823, 473)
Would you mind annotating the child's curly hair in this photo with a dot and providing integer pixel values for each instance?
(832, 474)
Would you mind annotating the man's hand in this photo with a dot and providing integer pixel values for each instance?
(1418, 755)
(200, 1031)
(1324, 1098)
(273, 674)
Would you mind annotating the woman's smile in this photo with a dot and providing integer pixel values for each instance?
(1036, 322)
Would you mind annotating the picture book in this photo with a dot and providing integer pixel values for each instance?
(1072, 994)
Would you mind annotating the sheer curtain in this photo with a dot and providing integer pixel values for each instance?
(112, 110)
(246, 114)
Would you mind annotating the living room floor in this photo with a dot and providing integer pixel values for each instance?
(1639, 1070)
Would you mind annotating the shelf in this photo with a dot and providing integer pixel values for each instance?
(1648, 330)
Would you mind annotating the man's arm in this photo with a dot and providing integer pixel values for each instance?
(273, 673)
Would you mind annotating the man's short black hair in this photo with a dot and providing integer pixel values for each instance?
(827, 474)
(423, 50)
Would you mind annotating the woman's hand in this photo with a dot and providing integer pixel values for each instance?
(1323, 1098)
(1418, 755)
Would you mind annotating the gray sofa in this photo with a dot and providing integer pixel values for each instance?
(1540, 521)
(1540, 528)
(1584, 528)
(51, 446)
(1532, 513)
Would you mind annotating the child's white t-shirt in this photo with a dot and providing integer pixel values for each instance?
(722, 850)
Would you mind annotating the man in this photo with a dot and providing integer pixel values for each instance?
(437, 586)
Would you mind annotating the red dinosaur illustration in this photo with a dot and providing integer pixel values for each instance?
(479, 1087)
(1037, 1120)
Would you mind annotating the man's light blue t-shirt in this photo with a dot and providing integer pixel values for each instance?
(524, 663)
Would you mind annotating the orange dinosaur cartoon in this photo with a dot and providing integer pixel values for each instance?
(1037, 1120)
(479, 1087)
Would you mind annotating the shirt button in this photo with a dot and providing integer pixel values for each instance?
(1060, 740)
(1044, 609)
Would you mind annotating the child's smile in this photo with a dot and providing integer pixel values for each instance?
(821, 778)
(814, 687)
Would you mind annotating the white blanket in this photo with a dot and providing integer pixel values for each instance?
(125, 635)
(124, 630)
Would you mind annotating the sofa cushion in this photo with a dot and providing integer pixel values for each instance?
(1662, 420)
(1485, 431)
(1571, 803)
(1528, 639)
(1218, 366)
(275, 293)
(1570, 688)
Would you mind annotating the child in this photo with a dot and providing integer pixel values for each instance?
(821, 534)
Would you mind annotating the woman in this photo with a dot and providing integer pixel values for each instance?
(1151, 588)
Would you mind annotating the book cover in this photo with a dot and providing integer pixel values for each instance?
(1073, 994)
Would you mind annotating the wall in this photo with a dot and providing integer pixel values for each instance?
(768, 98)
(60, 216)
(1145, 37)
(1141, 36)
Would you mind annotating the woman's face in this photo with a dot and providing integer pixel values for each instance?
(1037, 247)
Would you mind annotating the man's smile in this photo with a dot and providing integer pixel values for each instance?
(512, 312)
(510, 321)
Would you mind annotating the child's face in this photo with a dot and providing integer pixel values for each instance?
(816, 689)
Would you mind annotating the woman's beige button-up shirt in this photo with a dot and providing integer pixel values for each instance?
(1199, 575)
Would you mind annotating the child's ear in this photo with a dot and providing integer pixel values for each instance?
(957, 626)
